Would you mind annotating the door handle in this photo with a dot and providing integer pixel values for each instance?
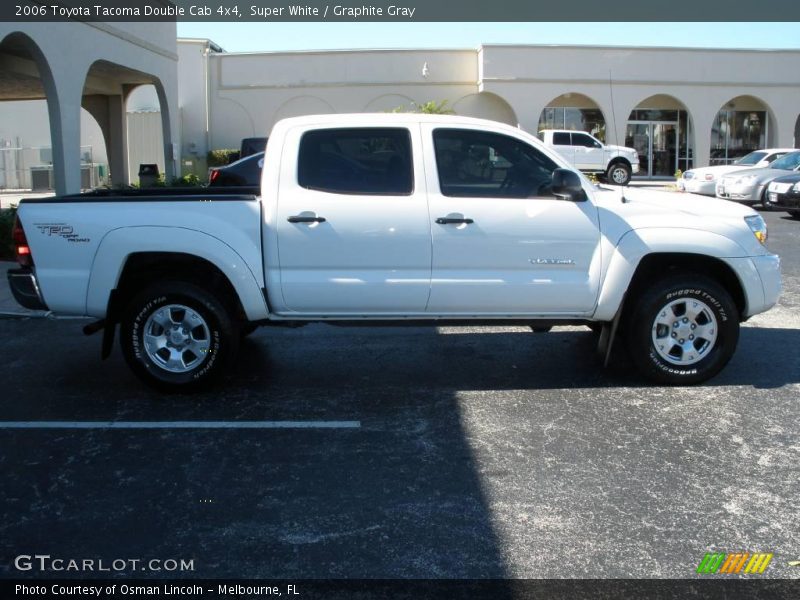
(305, 219)
(454, 221)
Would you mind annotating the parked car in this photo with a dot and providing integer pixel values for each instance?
(590, 155)
(252, 145)
(245, 171)
(401, 218)
(749, 186)
(703, 180)
(783, 193)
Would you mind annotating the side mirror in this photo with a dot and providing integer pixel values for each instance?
(567, 185)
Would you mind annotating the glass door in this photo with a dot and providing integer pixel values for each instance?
(664, 149)
(656, 143)
(637, 137)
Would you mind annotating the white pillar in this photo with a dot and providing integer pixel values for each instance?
(64, 108)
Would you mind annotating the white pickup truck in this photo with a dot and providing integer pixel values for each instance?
(615, 163)
(402, 218)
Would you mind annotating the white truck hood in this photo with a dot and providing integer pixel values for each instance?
(622, 149)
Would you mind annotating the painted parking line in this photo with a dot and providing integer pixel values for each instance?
(180, 424)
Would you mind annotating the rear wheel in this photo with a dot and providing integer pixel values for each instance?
(683, 330)
(619, 174)
(177, 336)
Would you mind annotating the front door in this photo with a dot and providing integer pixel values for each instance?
(656, 143)
(502, 243)
(352, 222)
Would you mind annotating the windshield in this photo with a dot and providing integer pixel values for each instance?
(750, 159)
(788, 163)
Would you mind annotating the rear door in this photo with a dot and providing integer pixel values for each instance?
(502, 243)
(352, 220)
(563, 145)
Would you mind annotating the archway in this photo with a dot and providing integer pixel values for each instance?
(742, 125)
(660, 129)
(486, 105)
(28, 160)
(576, 112)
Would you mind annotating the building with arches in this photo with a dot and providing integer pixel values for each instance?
(678, 107)
(90, 68)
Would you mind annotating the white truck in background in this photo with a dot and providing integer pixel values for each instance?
(375, 218)
(614, 163)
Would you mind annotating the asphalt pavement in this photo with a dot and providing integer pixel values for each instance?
(408, 452)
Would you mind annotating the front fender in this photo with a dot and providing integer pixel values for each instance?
(118, 244)
(636, 244)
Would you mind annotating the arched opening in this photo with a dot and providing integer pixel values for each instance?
(145, 131)
(741, 126)
(128, 108)
(576, 112)
(26, 149)
(486, 105)
(660, 129)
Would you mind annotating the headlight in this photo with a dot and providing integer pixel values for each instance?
(747, 179)
(796, 187)
(758, 226)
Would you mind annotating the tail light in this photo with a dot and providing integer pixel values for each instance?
(21, 248)
(214, 175)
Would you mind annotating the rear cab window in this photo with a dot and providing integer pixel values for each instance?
(369, 161)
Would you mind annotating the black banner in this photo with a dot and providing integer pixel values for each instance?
(395, 10)
(398, 589)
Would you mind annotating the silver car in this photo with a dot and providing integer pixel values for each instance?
(749, 186)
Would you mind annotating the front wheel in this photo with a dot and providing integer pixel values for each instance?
(683, 330)
(619, 174)
(177, 336)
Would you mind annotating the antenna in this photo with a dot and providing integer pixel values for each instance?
(613, 110)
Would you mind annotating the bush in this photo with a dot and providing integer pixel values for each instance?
(222, 157)
(189, 180)
(6, 224)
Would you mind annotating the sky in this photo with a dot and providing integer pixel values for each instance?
(259, 37)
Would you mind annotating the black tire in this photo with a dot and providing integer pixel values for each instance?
(619, 173)
(215, 338)
(795, 214)
(716, 317)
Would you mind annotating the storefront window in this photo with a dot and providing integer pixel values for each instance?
(576, 119)
(736, 133)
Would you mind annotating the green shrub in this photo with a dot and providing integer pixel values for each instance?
(222, 157)
(189, 180)
(6, 224)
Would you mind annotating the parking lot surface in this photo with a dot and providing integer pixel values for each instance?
(408, 452)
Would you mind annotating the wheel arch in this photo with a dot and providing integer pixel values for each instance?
(643, 255)
(128, 258)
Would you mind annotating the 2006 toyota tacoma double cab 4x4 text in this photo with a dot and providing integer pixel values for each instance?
(402, 218)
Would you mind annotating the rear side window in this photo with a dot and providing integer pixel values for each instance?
(375, 161)
(560, 139)
(481, 164)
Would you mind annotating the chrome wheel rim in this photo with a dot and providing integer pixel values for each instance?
(176, 338)
(618, 175)
(684, 331)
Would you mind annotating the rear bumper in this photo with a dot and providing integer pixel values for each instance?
(25, 289)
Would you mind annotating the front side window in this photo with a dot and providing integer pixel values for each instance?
(750, 159)
(581, 139)
(479, 164)
(374, 161)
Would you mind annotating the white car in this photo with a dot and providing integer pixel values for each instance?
(703, 180)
